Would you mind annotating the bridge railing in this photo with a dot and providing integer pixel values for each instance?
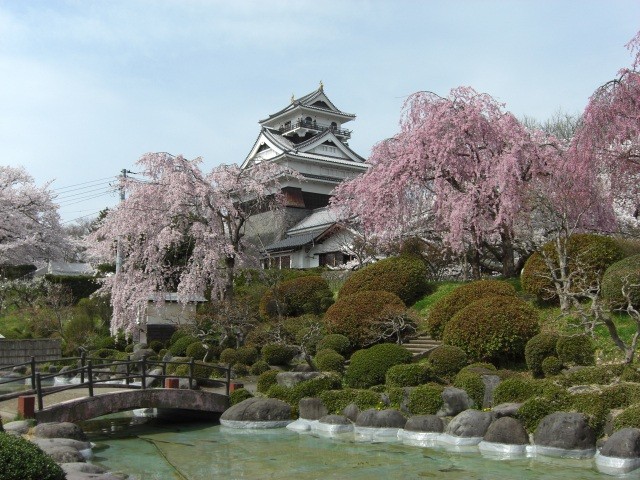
(123, 373)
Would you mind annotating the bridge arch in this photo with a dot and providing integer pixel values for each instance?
(168, 398)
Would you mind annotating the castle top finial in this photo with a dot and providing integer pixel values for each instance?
(293, 98)
(321, 86)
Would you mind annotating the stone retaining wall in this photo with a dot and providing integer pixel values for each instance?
(20, 351)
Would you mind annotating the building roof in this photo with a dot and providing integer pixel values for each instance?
(174, 297)
(65, 269)
(307, 101)
(319, 218)
(294, 242)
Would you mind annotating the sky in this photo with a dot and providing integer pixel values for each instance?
(87, 87)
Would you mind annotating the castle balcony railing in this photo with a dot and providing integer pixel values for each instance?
(305, 124)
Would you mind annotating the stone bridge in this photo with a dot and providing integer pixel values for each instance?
(163, 398)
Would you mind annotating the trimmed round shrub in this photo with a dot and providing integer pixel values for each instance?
(239, 395)
(592, 253)
(355, 315)
(266, 380)
(243, 355)
(338, 400)
(409, 375)
(299, 296)
(105, 353)
(196, 351)
(515, 389)
(104, 342)
(494, 329)
(596, 374)
(200, 370)
(240, 369)
(426, 399)
(278, 354)
(228, 356)
(533, 410)
(328, 360)
(22, 460)
(630, 418)
(625, 273)
(551, 366)
(179, 347)
(309, 388)
(156, 345)
(259, 367)
(446, 361)
(471, 382)
(444, 309)
(576, 350)
(178, 334)
(537, 349)
(368, 367)
(336, 342)
(404, 276)
(129, 348)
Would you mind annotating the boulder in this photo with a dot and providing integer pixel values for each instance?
(490, 381)
(506, 410)
(312, 408)
(153, 379)
(351, 411)
(424, 423)
(455, 401)
(141, 353)
(335, 420)
(302, 367)
(506, 430)
(290, 379)
(65, 369)
(19, 370)
(82, 467)
(139, 346)
(45, 443)
(59, 430)
(19, 427)
(64, 454)
(470, 423)
(167, 357)
(258, 410)
(567, 431)
(373, 418)
(624, 443)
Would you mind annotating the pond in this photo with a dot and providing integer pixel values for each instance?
(199, 451)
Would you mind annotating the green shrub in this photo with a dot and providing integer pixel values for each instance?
(494, 329)
(426, 399)
(576, 350)
(444, 309)
(266, 380)
(292, 298)
(129, 348)
(328, 360)
(240, 369)
(196, 350)
(598, 374)
(308, 388)
(338, 400)
(471, 382)
(630, 373)
(593, 407)
(630, 418)
(104, 342)
(355, 316)
(81, 286)
(179, 333)
(537, 349)
(404, 276)
(336, 342)
(408, 375)
(515, 389)
(104, 353)
(156, 345)
(277, 354)
(22, 460)
(239, 395)
(200, 370)
(551, 366)
(179, 347)
(446, 361)
(592, 253)
(617, 396)
(259, 367)
(243, 355)
(368, 367)
(1, 427)
(624, 273)
(533, 410)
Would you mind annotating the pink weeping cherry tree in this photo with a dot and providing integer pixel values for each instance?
(457, 171)
(181, 230)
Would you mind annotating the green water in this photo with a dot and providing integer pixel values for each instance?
(200, 451)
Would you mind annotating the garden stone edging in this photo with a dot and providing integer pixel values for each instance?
(257, 413)
(564, 434)
(620, 454)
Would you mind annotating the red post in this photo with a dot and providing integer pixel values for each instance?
(235, 386)
(171, 383)
(27, 406)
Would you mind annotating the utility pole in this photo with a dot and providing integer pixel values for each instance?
(124, 172)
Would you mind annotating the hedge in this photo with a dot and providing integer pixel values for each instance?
(426, 399)
(22, 460)
(368, 367)
(515, 390)
(576, 350)
(355, 316)
(471, 382)
(446, 307)
(266, 380)
(336, 342)
(494, 329)
(278, 354)
(409, 375)
(404, 276)
(299, 296)
(446, 361)
(328, 360)
(337, 400)
(624, 273)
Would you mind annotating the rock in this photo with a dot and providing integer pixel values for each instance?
(19, 427)
(381, 419)
(48, 443)
(139, 346)
(64, 454)
(424, 423)
(506, 410)
(312, 408)
(335, 420)
(584, 389)
(152, 379)
(290, 379)
(52, 369)
(351, 411)
(624, 443)
(302, 367)
(65, 369)
(568, 431)
(258, 410)
(59, 430)
(470, 423)
(19, 370)
(490, 383)
(167, 357)
(82, 467)
(506, 430)
(455, 401)
(138, 355)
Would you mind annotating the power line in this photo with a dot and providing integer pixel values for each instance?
(84, 199)
(84, 183)
(87, 192)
